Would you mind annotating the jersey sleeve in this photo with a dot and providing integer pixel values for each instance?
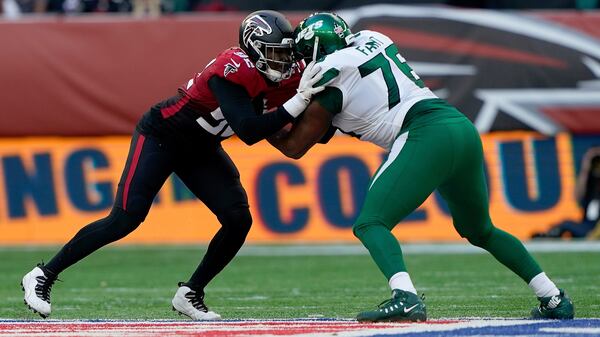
(333, 96)
(331, 99)
(331, 76)
(235, 67)
(238, 111)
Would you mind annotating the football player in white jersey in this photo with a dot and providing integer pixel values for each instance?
(373, 94)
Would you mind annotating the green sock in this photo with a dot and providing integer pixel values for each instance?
(510, 252)
(383, 247)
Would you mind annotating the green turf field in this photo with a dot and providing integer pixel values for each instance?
(139, 282)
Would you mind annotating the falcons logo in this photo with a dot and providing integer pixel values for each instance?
(255, 26)
(231, 67)
(505, 71)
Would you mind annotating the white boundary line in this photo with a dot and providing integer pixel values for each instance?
(411, 248)
(340, 248)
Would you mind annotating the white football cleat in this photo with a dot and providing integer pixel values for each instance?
(190, 302)
(37, 286)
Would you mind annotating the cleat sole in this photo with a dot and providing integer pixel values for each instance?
(179, 312)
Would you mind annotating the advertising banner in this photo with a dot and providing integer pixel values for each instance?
(51, 187)
(506, 70)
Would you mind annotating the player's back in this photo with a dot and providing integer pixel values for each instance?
(377, 86)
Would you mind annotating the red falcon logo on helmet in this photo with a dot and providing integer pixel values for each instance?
(516, 72)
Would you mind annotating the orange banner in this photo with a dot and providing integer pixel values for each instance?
(51, 187)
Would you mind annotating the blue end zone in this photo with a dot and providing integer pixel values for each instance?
(467, 327)
(567, 328)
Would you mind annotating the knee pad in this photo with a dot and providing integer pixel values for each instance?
(238, 219)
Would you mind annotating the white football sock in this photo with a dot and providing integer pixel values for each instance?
(402, 281)
(542, 286)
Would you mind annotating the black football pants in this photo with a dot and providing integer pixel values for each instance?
(206, 170)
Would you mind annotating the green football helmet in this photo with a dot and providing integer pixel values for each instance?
(321, 34)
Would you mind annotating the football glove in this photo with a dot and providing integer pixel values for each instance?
(298, 103)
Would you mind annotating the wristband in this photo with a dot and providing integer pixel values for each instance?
(296, 105)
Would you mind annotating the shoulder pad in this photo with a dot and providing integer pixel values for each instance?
(235, 66)
(233, 61)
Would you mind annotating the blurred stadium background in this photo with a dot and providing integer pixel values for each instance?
(75, 77)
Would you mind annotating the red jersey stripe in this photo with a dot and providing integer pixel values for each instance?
(134, 162)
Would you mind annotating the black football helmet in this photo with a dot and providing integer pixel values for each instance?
(267, 37)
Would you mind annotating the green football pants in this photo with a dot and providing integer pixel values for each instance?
(440, 150)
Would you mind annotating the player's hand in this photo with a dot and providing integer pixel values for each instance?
(298, 103)
(310, 77)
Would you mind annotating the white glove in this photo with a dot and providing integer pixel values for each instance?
(298, 103)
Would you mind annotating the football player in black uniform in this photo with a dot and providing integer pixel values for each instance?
(183, 135)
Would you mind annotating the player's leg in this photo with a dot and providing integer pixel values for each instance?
(215, 180)
(416, 164)
(146, 169)
(466, 194)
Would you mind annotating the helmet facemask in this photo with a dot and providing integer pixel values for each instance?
(275, 60)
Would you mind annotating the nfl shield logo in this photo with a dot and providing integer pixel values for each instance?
(338, 30)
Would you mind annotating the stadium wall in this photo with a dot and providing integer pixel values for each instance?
(95, 76)
(91, 78)
(50, 187)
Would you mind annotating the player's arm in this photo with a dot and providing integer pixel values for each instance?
(328, 135)
(313, 127)
(236, 105)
